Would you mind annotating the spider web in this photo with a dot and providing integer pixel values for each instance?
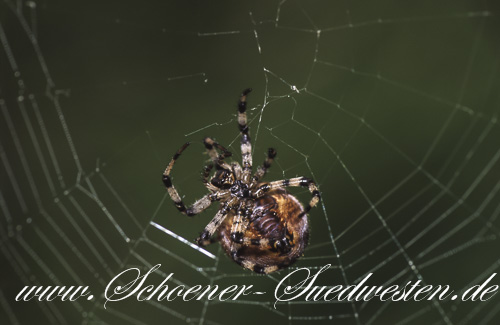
(392, 108)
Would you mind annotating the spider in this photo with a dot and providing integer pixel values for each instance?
(261, 226)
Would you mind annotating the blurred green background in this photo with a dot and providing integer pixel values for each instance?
(391, 106)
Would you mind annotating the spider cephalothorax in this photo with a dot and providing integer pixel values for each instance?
(260, 226)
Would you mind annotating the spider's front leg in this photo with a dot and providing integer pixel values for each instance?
(204, 178)
(200, 205)
(218, 159)
(246, 144)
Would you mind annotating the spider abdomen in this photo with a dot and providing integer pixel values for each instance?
(265, 219)
(276, 235)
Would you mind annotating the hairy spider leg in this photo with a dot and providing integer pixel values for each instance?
(238, 172)
(206, 236)
(218, 159)
(246, 144)
(262, 170)
(201, 204)
(204, 178)
(238, 227)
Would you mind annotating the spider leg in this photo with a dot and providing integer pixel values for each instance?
(199, 205)
(238, 228)
(236, 170)
(246, 145)
(204, 178)
(262, 170)
(213, 225)
(292, 182)
(218, 159)
(206, 171)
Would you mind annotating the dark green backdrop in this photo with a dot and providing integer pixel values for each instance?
(391, 106)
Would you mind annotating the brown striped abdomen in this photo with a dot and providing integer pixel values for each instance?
(274, 216)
